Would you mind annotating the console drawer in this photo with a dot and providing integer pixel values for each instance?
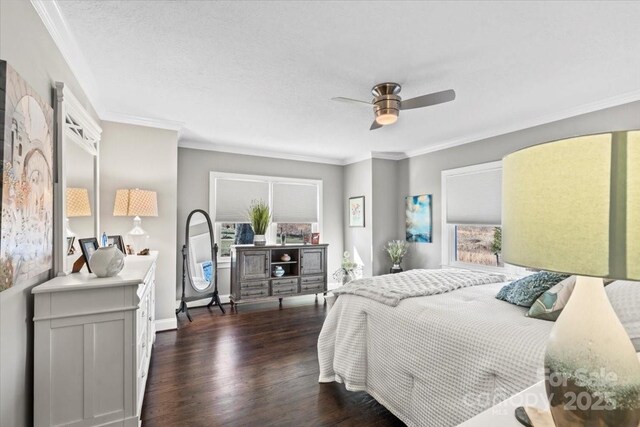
(285, 289)
(289, 281)
(308, 287)
(255, 292)
(254, 285)
(312, 279)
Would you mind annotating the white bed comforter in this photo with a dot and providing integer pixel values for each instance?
(433, 361)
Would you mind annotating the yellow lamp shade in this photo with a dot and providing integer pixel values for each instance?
(135, 202)
(574, 206)
(77, 202)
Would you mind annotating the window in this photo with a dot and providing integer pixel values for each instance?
(471, 216)
(295, 232)
(295, 204)
(479, 245)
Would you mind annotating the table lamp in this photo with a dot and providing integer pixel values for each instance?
(136, 202)
(77, 204)
(573, 206)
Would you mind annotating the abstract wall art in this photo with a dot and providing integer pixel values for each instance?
(418, 218)
(26, 150)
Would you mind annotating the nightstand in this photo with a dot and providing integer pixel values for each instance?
(503, 414)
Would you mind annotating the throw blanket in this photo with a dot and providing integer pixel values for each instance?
(390, 289)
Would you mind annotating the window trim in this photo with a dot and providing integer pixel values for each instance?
(270, 180)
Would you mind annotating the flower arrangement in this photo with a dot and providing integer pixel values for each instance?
(348, 270)
(397, 250)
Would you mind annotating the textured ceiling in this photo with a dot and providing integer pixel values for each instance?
(257, 76)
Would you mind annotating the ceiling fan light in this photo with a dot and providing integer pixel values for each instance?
(386, 119)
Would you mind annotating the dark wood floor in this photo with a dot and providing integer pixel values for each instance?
(256, 367)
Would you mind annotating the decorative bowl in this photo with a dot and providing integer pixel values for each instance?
(106, 261)
(278, 271)
(285, 257)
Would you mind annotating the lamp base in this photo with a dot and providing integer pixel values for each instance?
(592, 370)
(137, 236)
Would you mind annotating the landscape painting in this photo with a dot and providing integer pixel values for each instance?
(26, 149)
(418, 218)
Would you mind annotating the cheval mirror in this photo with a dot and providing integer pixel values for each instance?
(199, 263)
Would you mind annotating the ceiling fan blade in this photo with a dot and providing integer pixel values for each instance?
(375, 125)
(352, 101)
(427, 100)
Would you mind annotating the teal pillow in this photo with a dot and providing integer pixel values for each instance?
(525, 291)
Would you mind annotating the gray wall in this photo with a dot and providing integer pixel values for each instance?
(358, 181)
(193, 193)
(147, 158)
(386, 198)
(421, 174)
(27, 46)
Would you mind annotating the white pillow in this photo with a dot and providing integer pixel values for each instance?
(625, 299)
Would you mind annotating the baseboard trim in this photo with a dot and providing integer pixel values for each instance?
(166, 324)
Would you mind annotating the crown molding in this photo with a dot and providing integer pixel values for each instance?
(210, 146)
(131, 119)
(51, 16)
(614, 101)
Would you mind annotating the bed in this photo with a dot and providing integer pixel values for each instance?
(434, 360)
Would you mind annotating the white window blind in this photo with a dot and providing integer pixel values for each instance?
(474, 197)
(293, 202)
(234, 196)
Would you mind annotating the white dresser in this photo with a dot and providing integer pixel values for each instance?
(92, 346)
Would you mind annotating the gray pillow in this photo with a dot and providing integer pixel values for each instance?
(625, 299)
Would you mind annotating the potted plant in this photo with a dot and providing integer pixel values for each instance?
(260, 218)
(348, 270)
(397, 249)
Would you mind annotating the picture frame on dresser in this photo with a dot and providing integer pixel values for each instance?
(118, 241)
(88, 246)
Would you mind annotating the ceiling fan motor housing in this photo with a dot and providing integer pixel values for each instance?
(386, 104)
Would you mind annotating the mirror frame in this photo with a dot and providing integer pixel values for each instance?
(73, 124)
(214, 250)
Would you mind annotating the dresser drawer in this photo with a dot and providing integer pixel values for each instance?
(284, 289)
(142, 315)
(312, 279)
(289, 281)
(254, 285)
(256, 292)
(308, 287)
(141, 349)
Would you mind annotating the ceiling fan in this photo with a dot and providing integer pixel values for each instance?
(387, 103)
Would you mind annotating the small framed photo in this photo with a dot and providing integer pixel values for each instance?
(70, 249)
(315, 238)
(356, 211)
(88, 247)
(206, 268)
(118, 242)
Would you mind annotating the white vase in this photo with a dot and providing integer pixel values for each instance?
(107, 261)
(259, 240)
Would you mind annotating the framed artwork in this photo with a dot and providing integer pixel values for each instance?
(117, 241)
(26, 149)
(315, 238)
(418, 218)
(356, 211)
(88, 247)
(70, 249)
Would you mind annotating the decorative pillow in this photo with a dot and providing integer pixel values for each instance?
(625, 299)
(525, 291)
(549, 305)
